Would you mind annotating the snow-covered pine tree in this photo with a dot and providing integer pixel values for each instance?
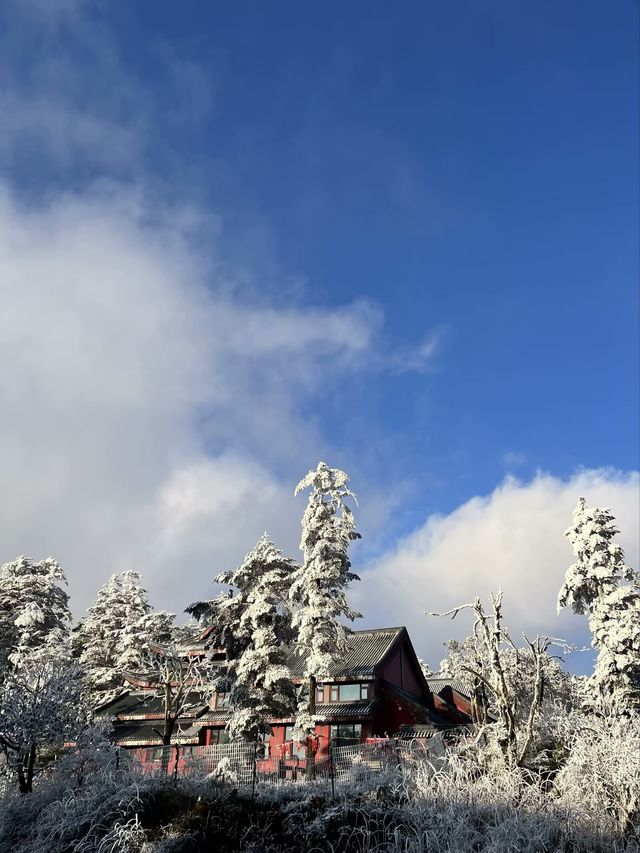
(33, 604)
(253, 627)
(594, 585)
(143, 625)
(118, 627)
(318, 588)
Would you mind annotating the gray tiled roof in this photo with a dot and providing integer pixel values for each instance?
(338, 710)
(366, 649)
(438, 684)
(136, 735)
(139, 704)
(217, 716)
(410, 732)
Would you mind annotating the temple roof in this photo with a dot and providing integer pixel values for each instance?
(457, 684)
(143, 704)
(365, 651)
(137, 735)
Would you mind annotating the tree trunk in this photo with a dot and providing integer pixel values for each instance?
(310, 754)
(22, 782)
(31, 767)
(167, 731)
(25, 773)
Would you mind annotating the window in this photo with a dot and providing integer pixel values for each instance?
(298, 749)
(263, 749)
(320, 693)
(344, 734)
(219, 736)
(222, 700)
(349, 692)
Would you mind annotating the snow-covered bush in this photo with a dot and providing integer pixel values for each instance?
(41, 707)
(451, 805)
(600, 782)
(223, 772)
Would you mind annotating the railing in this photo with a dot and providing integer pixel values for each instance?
(242, 764)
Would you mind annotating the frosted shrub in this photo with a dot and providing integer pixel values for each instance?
(126, 837)
(223, 772)
(600, 782)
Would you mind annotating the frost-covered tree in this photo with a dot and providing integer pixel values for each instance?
(180, 679)
(319, 586)
(42, 707)
(33, 604)
(253, 626)
(509, 685)
(595, 585)
(119, 626)
(519, 667)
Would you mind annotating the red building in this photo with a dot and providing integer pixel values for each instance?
(378, 689)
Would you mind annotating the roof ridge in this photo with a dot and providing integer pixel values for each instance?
(380, 630)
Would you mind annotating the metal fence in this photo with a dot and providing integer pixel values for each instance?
(247, 764)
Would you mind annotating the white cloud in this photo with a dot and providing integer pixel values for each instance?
(136, 394)
(512, 538)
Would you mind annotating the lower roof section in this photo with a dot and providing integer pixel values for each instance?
(136, 735)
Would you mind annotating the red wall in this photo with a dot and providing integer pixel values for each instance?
(278, 748)
(400, 670)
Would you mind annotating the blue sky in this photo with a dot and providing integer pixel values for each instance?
(451, 190)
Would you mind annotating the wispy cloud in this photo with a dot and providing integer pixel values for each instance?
(514, 459)
(425, 357)
(72, 105)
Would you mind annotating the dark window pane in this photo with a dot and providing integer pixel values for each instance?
(219, 736)
(344, 734)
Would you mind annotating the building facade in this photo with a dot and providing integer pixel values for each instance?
(376, 690)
